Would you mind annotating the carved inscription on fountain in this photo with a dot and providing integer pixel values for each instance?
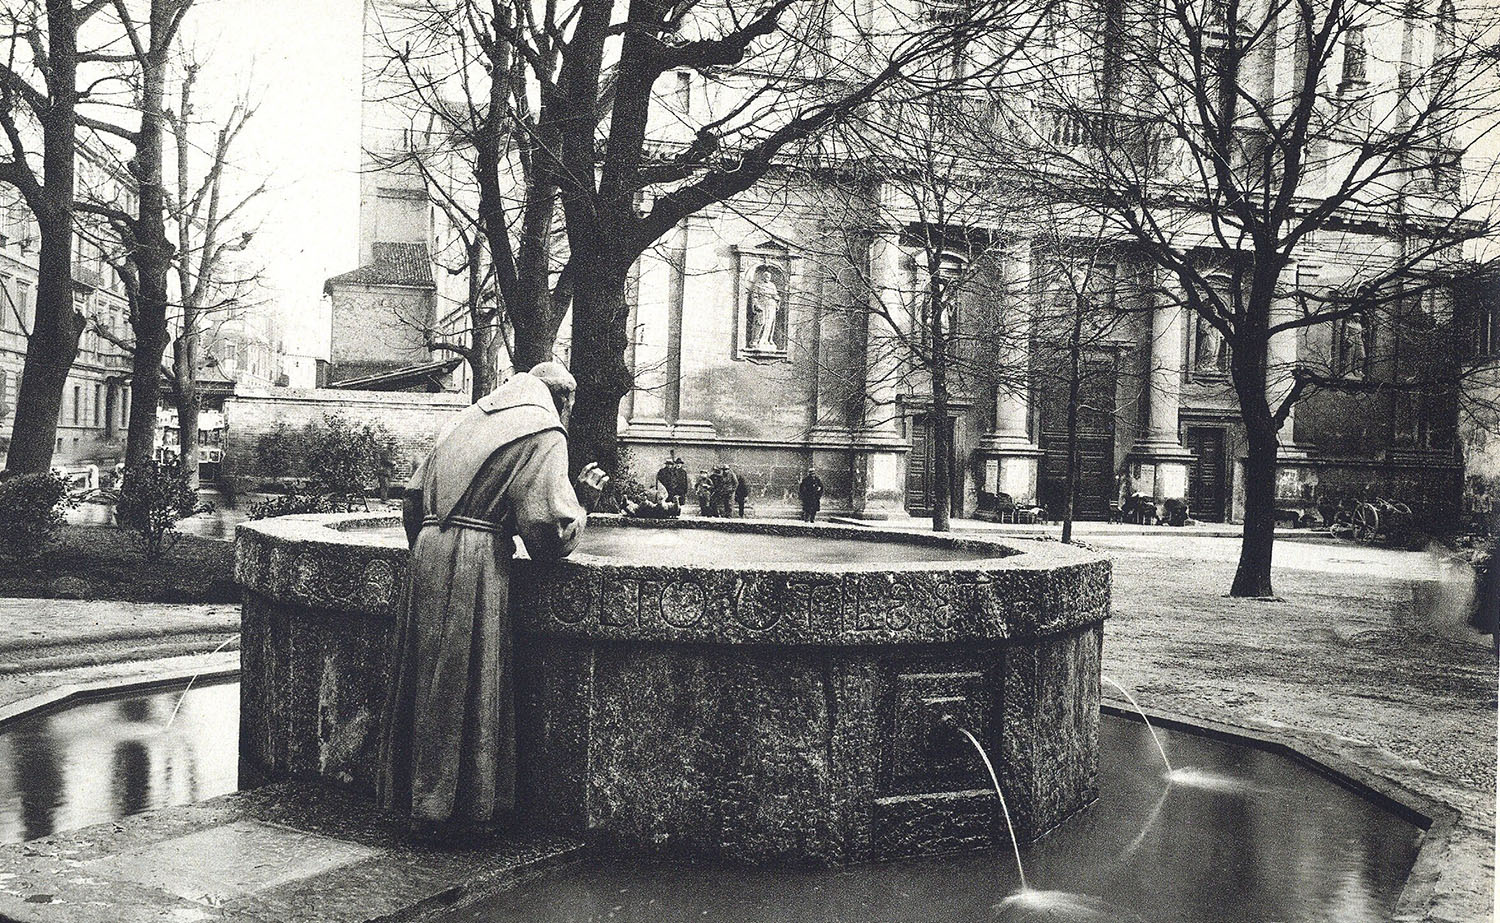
(682, 605)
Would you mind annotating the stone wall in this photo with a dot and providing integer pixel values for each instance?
(413, 419)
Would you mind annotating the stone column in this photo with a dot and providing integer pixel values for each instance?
(1158, 462)
(693, 355)
(1281, 351)
(651, 333)
(878, 475)
(1009, 454)
(1296, 479)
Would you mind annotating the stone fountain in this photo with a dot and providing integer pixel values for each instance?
(755, 692)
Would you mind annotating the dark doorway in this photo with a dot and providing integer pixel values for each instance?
(1206, 481)
(920, 468)
(1096, 439)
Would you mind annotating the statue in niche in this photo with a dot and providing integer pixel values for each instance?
(1353, 347)
(1211, 355)
(764, 311)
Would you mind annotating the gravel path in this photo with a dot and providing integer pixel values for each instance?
(1363, 643)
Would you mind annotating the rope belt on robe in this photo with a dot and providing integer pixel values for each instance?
(463, 522)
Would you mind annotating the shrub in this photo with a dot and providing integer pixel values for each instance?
(31, 513)
(281, 452)
(343, 459)
(155, 495)
(290, 505)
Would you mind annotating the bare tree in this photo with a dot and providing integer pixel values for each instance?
(149, 38)
(933, 299)
(471, 324)
(210, 227)
(1225, 140)
(574, 99)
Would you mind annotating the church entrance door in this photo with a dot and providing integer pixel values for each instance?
(1096, 439)
(920, 469)
(1206, 482)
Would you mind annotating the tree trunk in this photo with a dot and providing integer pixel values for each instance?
(534, 341)
(1253, 576)
(151, 252)
(50, 351)
(942, 441)
(151, 256)
(1070, 471)
(145, 393)
(600, 336)
(1248, 365)
(53, 343)
(185, 368)
(485, 350)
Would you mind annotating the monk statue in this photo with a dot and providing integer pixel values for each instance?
(498, 470)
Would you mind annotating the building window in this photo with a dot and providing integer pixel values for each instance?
(98, 403)
(1355, 71)
(7, 304)
(125, 408)
(77, 405)
(24, 305)
(951, 271)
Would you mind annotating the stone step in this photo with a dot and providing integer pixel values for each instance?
(287, 853)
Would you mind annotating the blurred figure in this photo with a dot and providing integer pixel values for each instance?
(741, 492)
(1485, 613)
(722, 499)
(704, 488)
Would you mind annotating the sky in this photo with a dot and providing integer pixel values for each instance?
(300, 61)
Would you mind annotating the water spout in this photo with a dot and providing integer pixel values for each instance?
(222, 644)
(951, 722)
(1131, 699)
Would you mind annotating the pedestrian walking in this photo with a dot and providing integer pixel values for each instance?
(810, 492)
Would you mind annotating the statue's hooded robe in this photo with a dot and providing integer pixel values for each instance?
(500, 469)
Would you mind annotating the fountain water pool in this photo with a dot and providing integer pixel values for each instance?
(104, 759)
(1272, 839)
(1287, 844)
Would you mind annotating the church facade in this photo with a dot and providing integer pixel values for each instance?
(755, 347)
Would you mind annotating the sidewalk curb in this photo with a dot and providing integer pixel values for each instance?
(122, 634)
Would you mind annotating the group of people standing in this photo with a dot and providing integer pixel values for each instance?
(721, 491)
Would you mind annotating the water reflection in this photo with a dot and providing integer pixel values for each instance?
(103, 760)
(1259, 838)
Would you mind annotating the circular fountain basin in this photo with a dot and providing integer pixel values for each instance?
(759, 692)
